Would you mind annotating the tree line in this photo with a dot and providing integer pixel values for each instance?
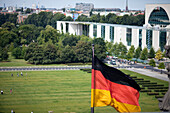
(138, 20)
(120, 51)
(39, 45)
(48, 18)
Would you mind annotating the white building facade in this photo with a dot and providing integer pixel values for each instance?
(152, 34)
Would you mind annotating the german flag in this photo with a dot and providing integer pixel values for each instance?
(111, 87)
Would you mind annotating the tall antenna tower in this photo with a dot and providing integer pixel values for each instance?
(126, 5)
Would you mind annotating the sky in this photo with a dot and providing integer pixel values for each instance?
(132, 4)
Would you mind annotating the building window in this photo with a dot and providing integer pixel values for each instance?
(111, 33)
(129, 36)
(162, 39)
(67, 27)
(103, 32)
(61, 27)
(140, 38)
(95, 31)
(159, 17)
(86, 30)
(149, 38)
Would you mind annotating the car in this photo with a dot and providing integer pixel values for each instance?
(113, 62)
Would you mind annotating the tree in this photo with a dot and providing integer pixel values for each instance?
(95, 18)
(152, 63)
(82, 18)
(151, 53)
(28, 10)
(122, 49)
(115, 49)
(109, 47)
(12, 18)
(102, 19)
(28, 33)
(48, 34)
(83, 51)
(70, 40)
(50, 53)
(68, 55)
(68, 18)
(3, 54)
(144, 54)
(130, 53)
(17, 52)
(161, 66)
(9, 26)
(158, 55)
(57, 17)
(137, 52)
(6, 37)
(100, 48)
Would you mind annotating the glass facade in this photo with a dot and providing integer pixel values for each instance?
(149, 38)
(61, 27)
(159, 17)
(111, 33)
(162, 40)
(94, 30)
(103, 32)
(129, 36)
(140, 38)
(67, 27)
(86, 30)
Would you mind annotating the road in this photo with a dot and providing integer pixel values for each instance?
(36, 68)
(139, 68)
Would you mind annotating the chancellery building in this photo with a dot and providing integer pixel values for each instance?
(153, 33)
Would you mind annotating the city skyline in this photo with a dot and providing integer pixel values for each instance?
(132, 4)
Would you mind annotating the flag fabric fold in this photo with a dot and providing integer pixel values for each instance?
(111, 87)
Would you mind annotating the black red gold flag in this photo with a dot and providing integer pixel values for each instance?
(111, 87)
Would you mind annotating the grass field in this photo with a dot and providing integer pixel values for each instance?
(58, 91)
(12, 62)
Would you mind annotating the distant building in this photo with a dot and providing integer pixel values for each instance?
(106, 9)
(153, 34)
(157, 15)
(84, 6)
(22, 17)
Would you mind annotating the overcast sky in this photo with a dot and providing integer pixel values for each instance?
(132, 4)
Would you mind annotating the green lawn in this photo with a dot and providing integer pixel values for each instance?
(12, 62)
(58, 91)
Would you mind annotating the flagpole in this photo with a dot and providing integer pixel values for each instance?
(92, 93)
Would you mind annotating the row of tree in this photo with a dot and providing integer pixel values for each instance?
(114, 19)
(31, 42)
(8, 18)
(120, 50)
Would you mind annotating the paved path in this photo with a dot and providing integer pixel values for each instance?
(138, 69)
(150, 73)
(41, 68)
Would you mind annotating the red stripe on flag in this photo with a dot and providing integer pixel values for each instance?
(122, 93)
